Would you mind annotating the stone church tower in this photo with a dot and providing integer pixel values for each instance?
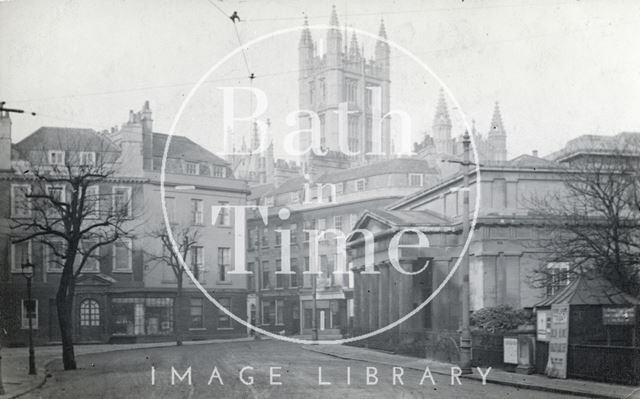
(343, 74)
(491, 147)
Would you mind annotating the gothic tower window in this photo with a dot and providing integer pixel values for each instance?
(323, 89)
(311, 92)
(351, 86)
(354, 143)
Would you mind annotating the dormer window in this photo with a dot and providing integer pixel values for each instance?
(87, 158)
(56, 157)
(416, 179)
(218, 171)
(192, 168)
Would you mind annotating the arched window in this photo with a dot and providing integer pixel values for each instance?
(89, 313)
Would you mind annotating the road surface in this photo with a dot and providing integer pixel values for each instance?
(272, 369)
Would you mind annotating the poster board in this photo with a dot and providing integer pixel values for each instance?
(619, 316)
(510, 350)
(543, 330)
(558, 342)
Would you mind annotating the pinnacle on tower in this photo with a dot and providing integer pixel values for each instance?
(334, 16)
(354, 50)
(382, 51)
(334, 40)
(496, 127)
(305, 37)
(442, 113)
(442, 127)
(382, 32)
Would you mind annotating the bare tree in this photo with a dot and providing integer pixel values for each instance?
(186, 238)
(69, 207)
(591, 226)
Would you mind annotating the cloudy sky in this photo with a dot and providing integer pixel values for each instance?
(558, 68)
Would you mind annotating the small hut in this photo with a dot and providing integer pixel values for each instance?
(589, 330)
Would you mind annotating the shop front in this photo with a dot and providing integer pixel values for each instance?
(141, 318)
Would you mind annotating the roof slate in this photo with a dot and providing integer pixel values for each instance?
(66, 138)
(181, 147)
(589, 291)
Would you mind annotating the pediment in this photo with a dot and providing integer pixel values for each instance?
(95, 279)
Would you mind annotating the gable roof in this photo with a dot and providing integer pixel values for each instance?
(181, 147)
(404, 218)
(526, 160)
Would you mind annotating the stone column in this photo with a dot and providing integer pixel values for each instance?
(394, 280)
(383, 296)
(357, 300)
(364, 302)
(373, 301)
(405, 293)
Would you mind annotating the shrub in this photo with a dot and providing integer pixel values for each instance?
(500, 318)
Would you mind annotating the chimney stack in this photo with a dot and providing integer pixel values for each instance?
(534, 153)
(5, 141)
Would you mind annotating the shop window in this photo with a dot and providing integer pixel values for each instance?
(142, 316)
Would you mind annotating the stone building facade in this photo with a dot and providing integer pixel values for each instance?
(124, 295)
(333, 201)
(503, 250)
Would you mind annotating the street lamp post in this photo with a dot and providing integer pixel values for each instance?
(465, 336)
(27, 272)
(2, 392)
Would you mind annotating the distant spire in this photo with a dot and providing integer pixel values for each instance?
(334, 16)
(243, 148)
(305, 37)
(496, 127)
(255, 140)
(382, 32)
(442, 113)
(354, 50)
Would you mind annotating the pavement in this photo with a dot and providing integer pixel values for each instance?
(119, 367)
(533, 381)
(15, 367)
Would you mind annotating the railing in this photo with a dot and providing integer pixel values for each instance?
(619, 364)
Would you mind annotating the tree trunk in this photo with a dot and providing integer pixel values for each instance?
(64, 301)
(177, 312)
